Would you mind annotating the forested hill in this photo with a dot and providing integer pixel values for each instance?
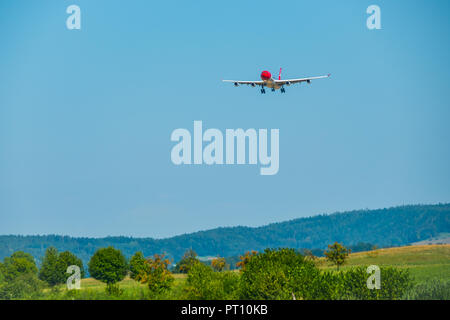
(384, 227)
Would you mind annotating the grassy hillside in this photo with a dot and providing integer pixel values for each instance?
(424, 262)
(384, 227)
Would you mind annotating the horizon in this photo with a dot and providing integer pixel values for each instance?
(236, 226)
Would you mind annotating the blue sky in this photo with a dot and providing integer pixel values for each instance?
(86, 115)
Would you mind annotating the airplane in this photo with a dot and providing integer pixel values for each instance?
(269, 82)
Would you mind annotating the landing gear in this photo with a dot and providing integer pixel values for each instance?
(282, 90)
(273, 89)
(263, 91)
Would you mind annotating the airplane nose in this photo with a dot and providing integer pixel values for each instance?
(265, 75)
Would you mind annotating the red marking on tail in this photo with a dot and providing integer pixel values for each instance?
(279, 75)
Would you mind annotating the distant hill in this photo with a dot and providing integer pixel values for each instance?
(384, 227)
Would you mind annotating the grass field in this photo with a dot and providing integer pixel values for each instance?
(424, 262)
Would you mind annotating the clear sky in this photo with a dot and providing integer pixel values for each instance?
(86, 115)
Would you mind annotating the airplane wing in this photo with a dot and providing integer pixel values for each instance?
(250, 83)
(292, 81)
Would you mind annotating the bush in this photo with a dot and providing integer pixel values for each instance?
(18, 277)
(351, 284)
(205, 284)
(24, 286)
(279, 275)
(18, 264)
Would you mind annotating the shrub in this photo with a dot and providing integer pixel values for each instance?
(351, 284)
(24, 286)
(205, 284)
(279, 274)
(18, 277)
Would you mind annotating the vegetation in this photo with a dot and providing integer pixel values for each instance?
(109, 266)
(279, 275)
(205, 284)
(54, 266)
(425, 263)
(385, 228)
(435, 289)
(219, 264)
(413, 272)
(189, 259)
(351, 284)
(156, 275)
(337, 254)
(137, 266)
(245, 259)
(18, 277)
(295, 271)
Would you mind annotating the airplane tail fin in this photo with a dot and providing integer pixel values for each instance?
(279, 75)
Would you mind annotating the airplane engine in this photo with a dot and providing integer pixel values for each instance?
(308, 81)
(236, 84)
(288, 83)
(253, 85)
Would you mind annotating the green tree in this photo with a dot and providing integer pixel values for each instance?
(337, 254)
(137, 265)
(18, 277)
(67, 259)
(156, 275)
(54, 266)
(50, 269)
(110, 266)
(187, 261)
(18, 264)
